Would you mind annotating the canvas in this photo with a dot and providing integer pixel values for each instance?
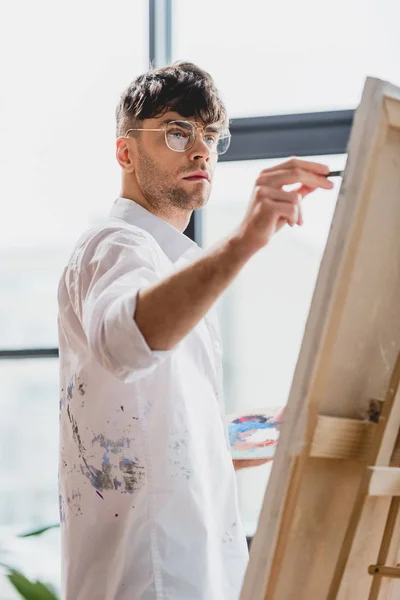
(330, 512)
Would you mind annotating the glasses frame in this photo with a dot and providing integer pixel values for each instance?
(195, 126)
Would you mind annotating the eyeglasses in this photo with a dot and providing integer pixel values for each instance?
(181, 135)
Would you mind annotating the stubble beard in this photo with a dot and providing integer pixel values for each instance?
(159, 194)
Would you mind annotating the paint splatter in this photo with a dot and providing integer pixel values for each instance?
(75, 382)
(101, 479)
(133, 474)
(61, 508)
(124, 474)
(108, 477)
(97, 492)
(227, 538)
(73, 502)
(147, 408)
(179, 450)
(110, 445)
(70, 387)
(116, 514)
(122, 408)
(90, 471)
(75, 431)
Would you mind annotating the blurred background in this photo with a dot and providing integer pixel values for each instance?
(291, 75)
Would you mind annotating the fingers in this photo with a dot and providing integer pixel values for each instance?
(311, 175)
(306, 165)
(240, 463)
(283, 177)
(300, 220)
(290, 213)
(282, 211)
(257, 462)
(280, 195)
(291, 199)
(286, 205)
(278, 416)
(304, 190)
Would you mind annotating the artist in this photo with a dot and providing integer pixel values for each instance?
(148, 500)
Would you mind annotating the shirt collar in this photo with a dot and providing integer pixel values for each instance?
(174, 243)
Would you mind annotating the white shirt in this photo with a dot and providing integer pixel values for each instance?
(148, 499)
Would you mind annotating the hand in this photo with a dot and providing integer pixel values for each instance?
(278, 416)
(245, 463)
(271, 207)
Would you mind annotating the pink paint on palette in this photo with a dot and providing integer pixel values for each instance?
(253, 435)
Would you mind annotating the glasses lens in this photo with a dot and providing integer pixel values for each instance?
(217, 139)
(179, 135)
(223, 142)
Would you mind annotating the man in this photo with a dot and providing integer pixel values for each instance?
(148, 501)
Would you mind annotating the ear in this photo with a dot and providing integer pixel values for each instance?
(126, 153)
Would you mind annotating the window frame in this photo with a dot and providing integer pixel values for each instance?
(277, 136)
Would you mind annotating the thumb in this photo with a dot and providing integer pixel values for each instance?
(304, 190)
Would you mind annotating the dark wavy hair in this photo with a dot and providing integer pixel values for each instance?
(182, 87)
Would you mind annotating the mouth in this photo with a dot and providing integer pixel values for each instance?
(197, 177)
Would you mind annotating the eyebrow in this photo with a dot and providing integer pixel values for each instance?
(213, 127)
(207, 127)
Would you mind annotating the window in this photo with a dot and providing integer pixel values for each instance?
(264, 312)
(290, 57)
(28, 469)
(66, 65)
(65, 68)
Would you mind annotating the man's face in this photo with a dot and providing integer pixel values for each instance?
(163, 175)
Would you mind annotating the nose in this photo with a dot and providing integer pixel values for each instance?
(199, 148)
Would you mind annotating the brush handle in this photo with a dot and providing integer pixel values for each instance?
(334, 174)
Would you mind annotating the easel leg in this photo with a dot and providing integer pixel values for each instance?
(391, 397)
(385, 545)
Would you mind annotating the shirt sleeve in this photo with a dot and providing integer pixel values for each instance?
(108, 277)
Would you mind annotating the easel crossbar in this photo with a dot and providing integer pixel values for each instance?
(393, 572)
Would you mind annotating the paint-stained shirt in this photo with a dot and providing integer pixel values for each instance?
(148, 498)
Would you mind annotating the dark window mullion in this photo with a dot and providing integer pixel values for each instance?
(28, 353)
(277, 136)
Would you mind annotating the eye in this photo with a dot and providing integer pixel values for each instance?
(211, 138)
(177, 133)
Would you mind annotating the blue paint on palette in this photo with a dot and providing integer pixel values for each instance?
(240, 432)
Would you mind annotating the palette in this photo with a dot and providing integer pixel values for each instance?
(253, 435)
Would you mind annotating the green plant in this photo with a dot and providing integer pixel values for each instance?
(39, 531)
(31, 590)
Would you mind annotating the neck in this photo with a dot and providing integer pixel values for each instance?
(176, 217)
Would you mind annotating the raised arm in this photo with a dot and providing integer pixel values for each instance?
(168, 310)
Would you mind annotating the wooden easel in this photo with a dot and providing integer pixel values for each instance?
(379, 479)
(329, 527)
